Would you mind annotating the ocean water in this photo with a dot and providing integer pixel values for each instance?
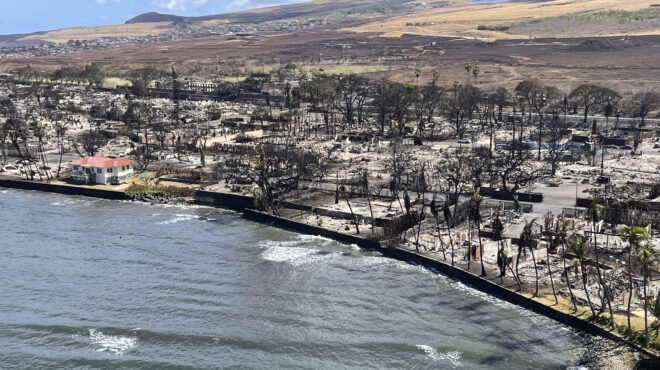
(90, 283)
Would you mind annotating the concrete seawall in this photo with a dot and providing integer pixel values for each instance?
(303, 228)
(63, 189)
(229, 201)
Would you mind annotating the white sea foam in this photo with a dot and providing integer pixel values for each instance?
(296, 256)
(70, 202)
(179, 218)
(307, 238)
(454, 357)
(111, 343)
(282, 243)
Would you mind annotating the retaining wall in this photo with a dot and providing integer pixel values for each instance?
(64, 189)
(230, 201)
(303, 228)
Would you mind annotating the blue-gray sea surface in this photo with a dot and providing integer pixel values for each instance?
(87, 283)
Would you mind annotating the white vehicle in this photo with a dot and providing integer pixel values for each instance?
(464, 141)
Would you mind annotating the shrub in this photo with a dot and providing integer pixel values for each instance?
(500, 28)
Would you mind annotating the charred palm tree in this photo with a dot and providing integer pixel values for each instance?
(561, 229)
(476, 216)
(447, 215)
(365, 190)
(498, 229)
(580, 248)
(548, 222)
(434, 211)
(647, 259)
(60, 131)
(526, 243)
(634, 236)
(342, 189)
(595, 215)
(474, 213)
(502, 258)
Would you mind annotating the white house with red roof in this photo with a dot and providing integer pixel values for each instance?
(102, 170)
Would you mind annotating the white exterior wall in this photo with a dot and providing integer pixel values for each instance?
(105, 176)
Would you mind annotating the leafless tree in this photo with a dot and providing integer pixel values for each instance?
(590, 96)
(515, 168)
(275, 170)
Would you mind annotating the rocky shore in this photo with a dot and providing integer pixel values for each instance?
(159, 198)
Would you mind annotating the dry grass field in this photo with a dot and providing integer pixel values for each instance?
(90, 33)
(462, 18)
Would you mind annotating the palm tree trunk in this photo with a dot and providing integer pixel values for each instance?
(469, 243)
(355, 219)
(646, 326)
(370, 211)
(568, 279)
(59, 165)
(536, 271)
(586, 291)
(552, 283)
(630, 287)
(451, 242)
(518, 262)
(600, 276)
(481, 250)
(506, 264)
(501, 265)
(442, 244)
(607, 293)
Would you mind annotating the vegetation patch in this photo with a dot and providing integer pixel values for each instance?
(607, 21)
(494, 27)
(420, 24)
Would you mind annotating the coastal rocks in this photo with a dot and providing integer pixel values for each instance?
(158, 198)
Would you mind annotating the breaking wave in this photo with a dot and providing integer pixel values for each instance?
(296, 256)
(453, 357)
(111, 343)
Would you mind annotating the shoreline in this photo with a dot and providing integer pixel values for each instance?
(242, 204)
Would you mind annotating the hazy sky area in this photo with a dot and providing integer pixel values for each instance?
(25, 16)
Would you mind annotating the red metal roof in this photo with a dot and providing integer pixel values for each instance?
(102, 162)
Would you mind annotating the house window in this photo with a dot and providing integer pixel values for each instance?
(98, 170)
(109, 170)
(76, 168)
